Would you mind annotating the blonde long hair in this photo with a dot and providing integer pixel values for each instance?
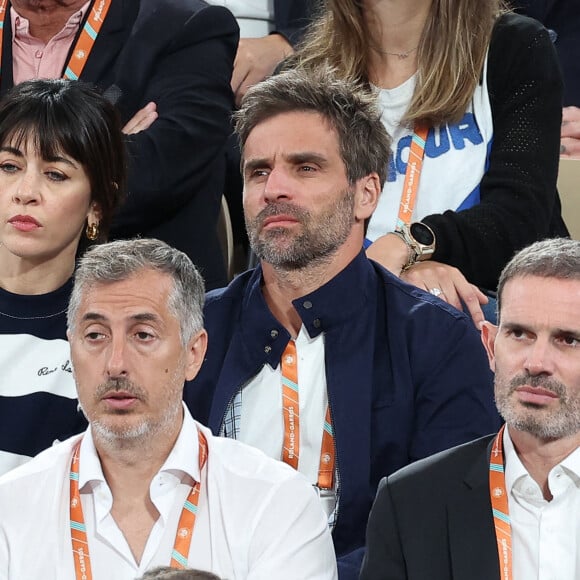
(450, 55)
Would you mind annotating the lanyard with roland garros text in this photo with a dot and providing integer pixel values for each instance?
(85, 42)
(499, 506)
(412, 175)
(80, 544)
(291, 414)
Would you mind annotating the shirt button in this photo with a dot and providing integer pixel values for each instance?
(267, 349)
(316, 323)
(274, 333)
(38, 54)
(307, 304)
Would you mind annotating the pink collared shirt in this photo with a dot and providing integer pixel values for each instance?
(31, 58)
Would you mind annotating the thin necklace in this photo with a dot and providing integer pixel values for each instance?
(399, 55)
(32, 317)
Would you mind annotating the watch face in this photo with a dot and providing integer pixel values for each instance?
(422, 234)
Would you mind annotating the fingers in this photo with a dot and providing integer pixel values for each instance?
(570, 129)
(570, 115)
(453, 286)
(570, 147)
(473, 298)
(256, 59)
(141, 120)
(570, 133)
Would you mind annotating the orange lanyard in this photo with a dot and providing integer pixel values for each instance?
(412, 175)
(3, 4)
(291, 414)
(85, 42)
(500, 508)
(79, 539)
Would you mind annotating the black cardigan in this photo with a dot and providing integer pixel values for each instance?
(519, 200)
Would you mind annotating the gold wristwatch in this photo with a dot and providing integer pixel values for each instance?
(420, 240)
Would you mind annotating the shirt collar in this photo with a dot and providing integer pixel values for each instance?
(514, 468)
(21, 25)
(329, 306)
(572, 463)
(183, 458)
(515, 472)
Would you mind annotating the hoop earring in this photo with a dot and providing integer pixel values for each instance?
(92, 231)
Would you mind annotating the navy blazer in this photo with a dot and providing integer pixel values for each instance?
(179, 54)
(407, 376)
(433, 520)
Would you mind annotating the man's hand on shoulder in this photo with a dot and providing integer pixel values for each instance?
(256, 59)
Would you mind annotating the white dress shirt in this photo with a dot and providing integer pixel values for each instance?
(262, 423)
(257, 518)
(545, 534)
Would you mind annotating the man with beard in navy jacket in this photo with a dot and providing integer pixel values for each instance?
(319, 356)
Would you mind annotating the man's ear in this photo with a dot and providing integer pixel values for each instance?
(196, 348)
(367, 191)
(488, 336)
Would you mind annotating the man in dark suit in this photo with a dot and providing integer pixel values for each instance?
(511, 500)
(171, 61)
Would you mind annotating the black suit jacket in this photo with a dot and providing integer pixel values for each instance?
(433, 520)
(291, 18)
(179, 54)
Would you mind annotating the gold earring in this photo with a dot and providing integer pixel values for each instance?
(92, 231)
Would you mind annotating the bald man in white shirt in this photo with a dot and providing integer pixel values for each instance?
(146, 485)
(507, 505)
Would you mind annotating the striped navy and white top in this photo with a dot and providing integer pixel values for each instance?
(38, 403)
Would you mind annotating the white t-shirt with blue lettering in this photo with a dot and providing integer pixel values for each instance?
(455, 159)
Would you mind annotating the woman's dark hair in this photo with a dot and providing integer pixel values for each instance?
(72, 118)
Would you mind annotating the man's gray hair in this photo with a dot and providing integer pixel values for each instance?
(555, 258)
(349, 108)
(117, 261)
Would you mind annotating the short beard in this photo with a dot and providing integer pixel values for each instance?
(544, 424)
(321, 236)
(130, 435)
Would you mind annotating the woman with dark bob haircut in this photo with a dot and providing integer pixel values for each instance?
(62, 174)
